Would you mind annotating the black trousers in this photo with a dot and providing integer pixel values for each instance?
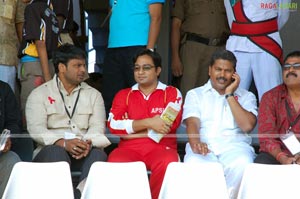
(54, 153)
(117, 72)
(265, 158)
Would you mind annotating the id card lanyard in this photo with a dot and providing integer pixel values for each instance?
(63, 99)
(290, 116)
(289, 138)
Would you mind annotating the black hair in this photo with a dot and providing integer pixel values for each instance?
(95, 80)
(75, 26)
(156, 58)
(292, 54)
(65, 53)
(225, 55)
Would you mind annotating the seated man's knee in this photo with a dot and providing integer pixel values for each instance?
(52, 153)
(11, 158)
(98, 154)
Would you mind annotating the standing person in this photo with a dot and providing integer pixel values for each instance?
(198, 29)
(135, 111)
(40, 38)
(10, 118)
(73, 34)
(64, 13)
(66, 117)
(256, 42)
(134, 24)
(11, 23)
(279, 115)
(218, 117)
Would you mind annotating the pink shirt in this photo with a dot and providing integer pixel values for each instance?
(273, 119)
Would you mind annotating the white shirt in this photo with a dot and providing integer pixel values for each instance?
(256, 10)
(217, 125)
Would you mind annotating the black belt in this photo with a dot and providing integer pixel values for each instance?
(206, 41)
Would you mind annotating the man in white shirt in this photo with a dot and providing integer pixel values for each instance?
(255, 40)
(218, 117)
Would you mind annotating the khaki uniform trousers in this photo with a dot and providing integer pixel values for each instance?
(195, 58)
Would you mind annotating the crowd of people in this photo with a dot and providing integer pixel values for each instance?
(217, 49)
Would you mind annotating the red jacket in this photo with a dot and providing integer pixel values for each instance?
(138, 106)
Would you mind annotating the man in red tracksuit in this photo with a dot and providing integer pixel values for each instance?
(137, 110)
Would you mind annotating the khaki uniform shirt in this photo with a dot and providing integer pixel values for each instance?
(47, 120)
(11, 13)
(204, 17)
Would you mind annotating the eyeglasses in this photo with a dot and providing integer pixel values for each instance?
(288, 66)
(145, 67)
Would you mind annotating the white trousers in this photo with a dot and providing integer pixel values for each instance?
(234, 159)
(8, 75)
(262, 67)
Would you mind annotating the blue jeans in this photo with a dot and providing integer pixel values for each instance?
(8, 75)
(7, 161)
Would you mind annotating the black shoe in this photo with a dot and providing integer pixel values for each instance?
(77, 194)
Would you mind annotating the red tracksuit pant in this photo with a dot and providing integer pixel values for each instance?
(155, 156)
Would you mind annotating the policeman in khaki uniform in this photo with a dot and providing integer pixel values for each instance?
(199, 27)
(11, 23)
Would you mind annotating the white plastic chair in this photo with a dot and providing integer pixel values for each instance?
(262, 181)
(194, 180)
(111, 180)
(39, 180)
